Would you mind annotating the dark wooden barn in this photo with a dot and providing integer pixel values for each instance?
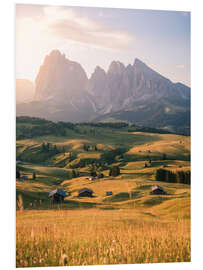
(157, 190)
(109, 193)
(85, 192)
(57, 195)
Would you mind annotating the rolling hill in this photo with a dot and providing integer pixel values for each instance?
(103, 228)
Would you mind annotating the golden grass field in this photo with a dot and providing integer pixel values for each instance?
(94, 236)
(130, 226)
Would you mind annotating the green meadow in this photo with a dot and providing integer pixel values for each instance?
(129, 226)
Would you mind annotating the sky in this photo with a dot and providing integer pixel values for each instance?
(97, 36)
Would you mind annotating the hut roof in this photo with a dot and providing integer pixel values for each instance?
(57, 191)
(157, 187)
(85, 190)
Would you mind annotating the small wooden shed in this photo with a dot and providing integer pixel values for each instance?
(85, 192)
(157, 190)
(18, 162)
(57, 195)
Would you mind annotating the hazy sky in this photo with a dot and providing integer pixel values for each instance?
(97, 36)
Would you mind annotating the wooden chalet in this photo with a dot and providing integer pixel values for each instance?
(157, 190)
(85, 192)
(57, 195)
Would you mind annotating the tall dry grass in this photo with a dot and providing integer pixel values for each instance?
(89, 237)
(20, 205)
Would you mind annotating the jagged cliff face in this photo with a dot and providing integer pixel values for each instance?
(124, 87)
(60, 91)
(63, 92)
(59, 78)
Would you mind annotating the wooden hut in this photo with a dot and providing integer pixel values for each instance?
(18, 162)
(85, 192)
(57, 195)
(157, 190)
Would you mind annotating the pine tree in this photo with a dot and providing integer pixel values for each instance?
(48, 146)
(44, 147)
(17, 174)
(34, 176)
(114, 171)
(55, 149)
(164, 156)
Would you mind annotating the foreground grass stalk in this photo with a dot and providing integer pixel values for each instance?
(98, 237)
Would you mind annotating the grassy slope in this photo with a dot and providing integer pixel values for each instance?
(93, 230)
(136, 146)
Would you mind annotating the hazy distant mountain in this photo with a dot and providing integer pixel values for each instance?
(134, 93)
(24, 90)
(140, 95)
(59, 79)
(132, 86)
(60, 91)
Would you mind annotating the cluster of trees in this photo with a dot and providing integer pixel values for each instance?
(18, 174)
(135, 128)
(31, 120)
(173, 177)
(114, 171)
(88, 147)
(109, 156)
(148, 164)
(73, 174)
(48, 147)
(95, 169)
(117, 125)
(164, 156)
(30, 131)
(29, 127)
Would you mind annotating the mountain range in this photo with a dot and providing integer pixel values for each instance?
(133, 93)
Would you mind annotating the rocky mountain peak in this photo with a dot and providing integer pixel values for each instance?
(59, 78)
(100, 70)
(139, 63)
(140, 66)
(116, 67)
(54, 57)
(64, 92)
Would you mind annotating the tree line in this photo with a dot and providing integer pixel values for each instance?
(182, 177)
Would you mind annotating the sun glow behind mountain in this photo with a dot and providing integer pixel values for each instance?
(97, 36)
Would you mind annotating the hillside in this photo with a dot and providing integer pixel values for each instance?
(110, 142)
(54, 154)
(92, 230)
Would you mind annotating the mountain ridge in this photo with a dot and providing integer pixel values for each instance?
(66, 93)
